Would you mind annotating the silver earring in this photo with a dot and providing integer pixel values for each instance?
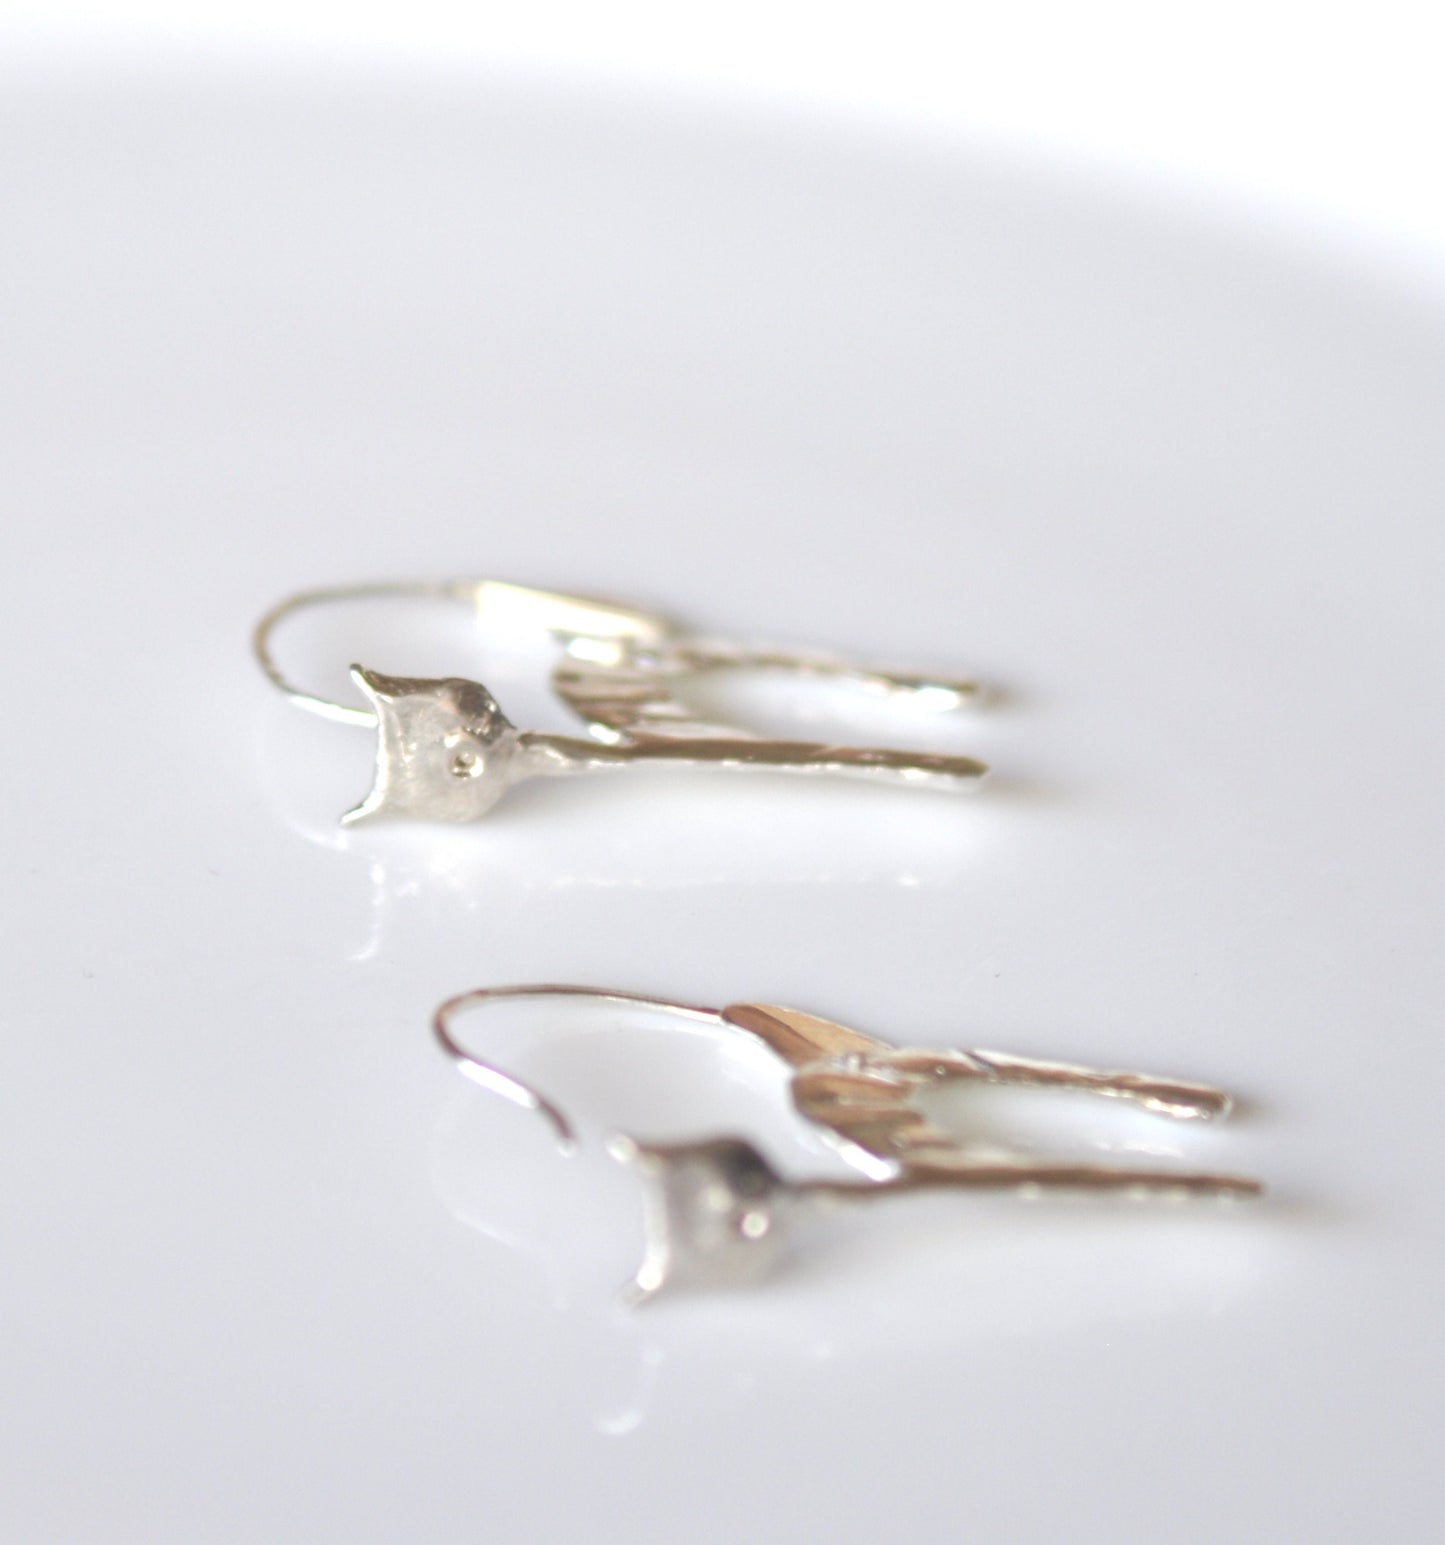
(447, 752)
(716, 1211)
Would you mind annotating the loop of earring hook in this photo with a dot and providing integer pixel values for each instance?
(489, 1076)
(326, 708)
(574, 620)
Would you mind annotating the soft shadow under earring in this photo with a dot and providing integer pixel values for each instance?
(447, 752)
(716, 1211)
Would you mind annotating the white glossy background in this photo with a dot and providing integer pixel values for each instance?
(1169, 476)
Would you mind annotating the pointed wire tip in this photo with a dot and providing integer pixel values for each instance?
(561, 1128)
(639, 1290)
(623, 1148)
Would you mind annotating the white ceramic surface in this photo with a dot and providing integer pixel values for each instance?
(271, 1271)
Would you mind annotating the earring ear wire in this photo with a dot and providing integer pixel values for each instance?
(487, 1075)
(306, 600)
(619, 670)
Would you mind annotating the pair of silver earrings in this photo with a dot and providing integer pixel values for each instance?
(715, 1211)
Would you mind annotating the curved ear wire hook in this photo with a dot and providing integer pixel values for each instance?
(342, 713)
(570, 618)
(489, 1076)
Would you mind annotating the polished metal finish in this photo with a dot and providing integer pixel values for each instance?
(446, 751)
(715, 1210)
